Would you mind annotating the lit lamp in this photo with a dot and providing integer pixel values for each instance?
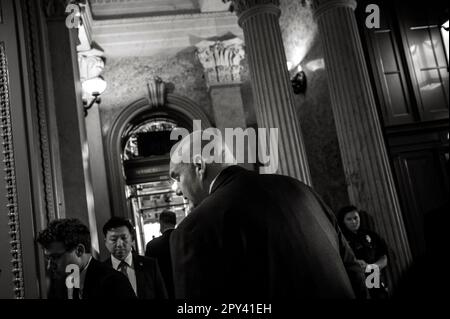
(93, 87)
(299, 81)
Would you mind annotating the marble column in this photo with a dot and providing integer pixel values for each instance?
(366, 164)
(271, 84)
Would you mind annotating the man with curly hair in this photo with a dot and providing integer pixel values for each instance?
(73, 272)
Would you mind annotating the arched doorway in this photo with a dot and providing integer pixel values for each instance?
(138, 147)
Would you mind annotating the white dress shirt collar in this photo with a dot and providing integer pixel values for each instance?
(116, 262)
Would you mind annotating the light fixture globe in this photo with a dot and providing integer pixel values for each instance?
(92, 88)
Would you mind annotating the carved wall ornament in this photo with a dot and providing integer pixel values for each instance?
(91, 66)
(156, 92)
(10, 177)
(221, 60)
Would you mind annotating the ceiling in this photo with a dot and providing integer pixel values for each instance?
(112, 9)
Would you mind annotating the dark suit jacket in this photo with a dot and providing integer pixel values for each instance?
(159, 248)
(262, 236)
(149, 282)
(101, 282)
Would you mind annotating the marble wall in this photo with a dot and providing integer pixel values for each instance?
(127, 79)
(319, 132)
(303, 46)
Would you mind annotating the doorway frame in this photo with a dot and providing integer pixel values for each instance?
(180, 106)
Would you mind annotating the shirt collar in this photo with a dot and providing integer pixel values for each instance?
(83, 274)
(128, 260)
(213, 181)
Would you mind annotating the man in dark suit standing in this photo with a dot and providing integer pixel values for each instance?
(159, 248)
(73, 272)
(142, 272)
(264, 236)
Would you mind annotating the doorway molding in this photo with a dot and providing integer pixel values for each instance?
(176, 107)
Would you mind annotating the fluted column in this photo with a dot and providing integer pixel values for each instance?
(369, 177)
(270, 81)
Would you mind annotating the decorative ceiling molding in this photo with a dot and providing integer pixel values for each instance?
(111, 9)
(213, 5)
(127, 8)
(148, 36)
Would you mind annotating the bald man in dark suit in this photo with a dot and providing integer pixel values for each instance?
(264, 236)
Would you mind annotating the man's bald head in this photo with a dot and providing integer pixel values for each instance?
(196, 160)
(209, 144)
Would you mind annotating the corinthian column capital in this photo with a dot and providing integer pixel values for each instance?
(240, 6)
(221, 60)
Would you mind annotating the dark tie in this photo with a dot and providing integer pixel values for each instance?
(123, 268)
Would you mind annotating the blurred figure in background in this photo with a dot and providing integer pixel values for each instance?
(369, 248)
(159, 248)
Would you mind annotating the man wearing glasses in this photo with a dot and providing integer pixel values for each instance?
(73, 272)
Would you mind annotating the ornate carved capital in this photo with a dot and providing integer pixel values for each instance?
(156, 92)
(91, 66)
(221, 60)
(239, 6)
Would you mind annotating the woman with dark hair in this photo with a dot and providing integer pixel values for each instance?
(369, 248)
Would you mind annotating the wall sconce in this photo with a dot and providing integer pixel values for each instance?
(299, 81)
(93, 88)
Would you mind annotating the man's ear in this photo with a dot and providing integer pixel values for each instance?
(200, 166)
(80, 250)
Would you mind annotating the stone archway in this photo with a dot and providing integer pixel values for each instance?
(175, 106)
